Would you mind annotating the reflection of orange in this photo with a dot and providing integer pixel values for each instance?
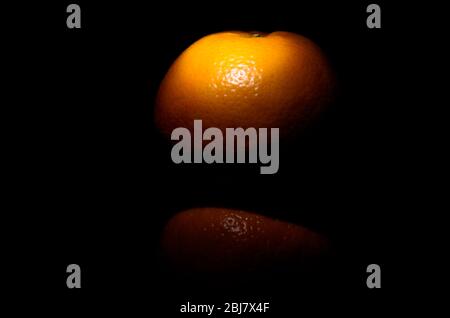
(237, 79)
(223, 240)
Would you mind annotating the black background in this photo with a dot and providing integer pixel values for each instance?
(98, 184)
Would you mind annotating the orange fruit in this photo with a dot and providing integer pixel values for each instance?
(225, 240)
(238, 79)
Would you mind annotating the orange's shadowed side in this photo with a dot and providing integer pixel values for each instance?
(224, 240)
